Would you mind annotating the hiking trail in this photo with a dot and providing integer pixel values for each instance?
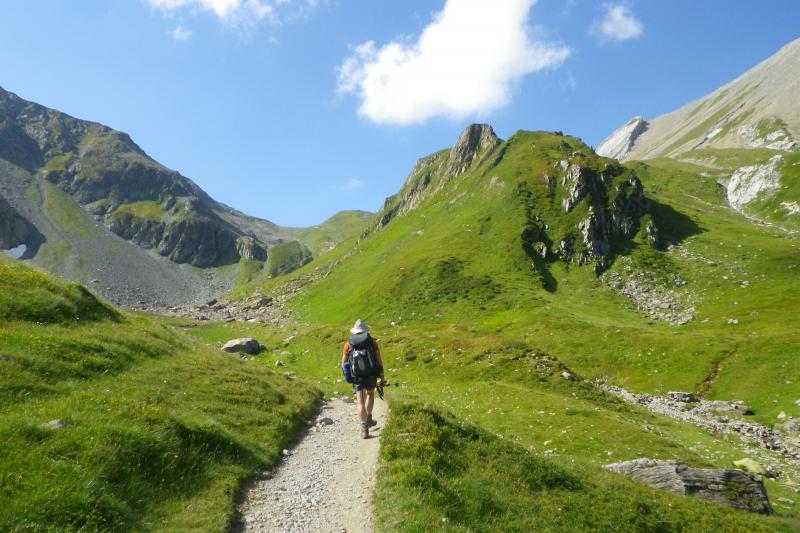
(325, 482)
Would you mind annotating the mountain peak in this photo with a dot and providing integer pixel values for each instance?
(475, 140)
(622, 141)
(759, 109)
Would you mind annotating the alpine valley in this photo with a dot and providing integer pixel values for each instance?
(576, 339)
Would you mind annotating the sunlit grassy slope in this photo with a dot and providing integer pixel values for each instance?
(159, 427)
(460, 309)
(459, 259)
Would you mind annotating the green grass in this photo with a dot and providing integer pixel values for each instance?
(451, 284)
(340, 227)
(139, 211)
(440, 473)
(160, 428)
(59, 163)
(285, 257)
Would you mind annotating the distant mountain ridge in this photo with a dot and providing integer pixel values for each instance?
(759, 109)
(70, 189)
(114, 180)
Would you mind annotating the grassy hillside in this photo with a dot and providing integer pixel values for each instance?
(340, 227)
(159, 428)
(440, 473)
(460, 305)
(459, 259)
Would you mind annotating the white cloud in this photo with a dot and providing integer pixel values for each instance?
(232, 11)
(353, 184)
(463, 62)
(618, 24)
(180, 34)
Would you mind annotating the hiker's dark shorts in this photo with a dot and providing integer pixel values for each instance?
(365, 383)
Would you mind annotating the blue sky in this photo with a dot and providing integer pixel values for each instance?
(292, 110)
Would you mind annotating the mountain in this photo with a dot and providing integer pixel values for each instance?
(759, 109)
(85, 202)
(475, 224)
(518, 284)
(745, 136)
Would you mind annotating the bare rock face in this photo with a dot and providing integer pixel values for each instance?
(726, 486)
(249, 248)
(621, 142)
(475, 140)
(433, 172)
(14, 230)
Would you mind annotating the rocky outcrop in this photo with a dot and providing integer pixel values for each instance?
(14, 230)
(430, 174)
(248, 248)
(620, 143)
(616, 205)
(475, 142)
(750, 182)
(725, 486)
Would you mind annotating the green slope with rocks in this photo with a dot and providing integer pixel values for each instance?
(637, 275)
(111, 421)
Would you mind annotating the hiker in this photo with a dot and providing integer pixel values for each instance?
(363, 357)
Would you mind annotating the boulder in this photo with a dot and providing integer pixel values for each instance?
(246, 345)
(729, 408)
(792, 427)
(685, 397)
(726, 486)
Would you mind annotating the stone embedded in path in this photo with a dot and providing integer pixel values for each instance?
(726, 486)
(246, 345)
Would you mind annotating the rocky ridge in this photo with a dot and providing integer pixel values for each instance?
(430, 174)
(621, 142)
(757, 110)
(112, 179)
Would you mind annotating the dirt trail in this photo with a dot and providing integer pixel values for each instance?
(326, 481)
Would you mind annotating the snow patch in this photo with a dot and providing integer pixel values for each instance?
(748, 182)
(17, 252)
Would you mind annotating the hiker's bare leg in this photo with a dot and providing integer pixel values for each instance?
(370, 402)
(362, 411)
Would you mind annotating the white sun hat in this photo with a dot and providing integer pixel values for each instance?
(359, 328)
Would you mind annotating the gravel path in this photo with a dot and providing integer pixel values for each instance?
(325, 482)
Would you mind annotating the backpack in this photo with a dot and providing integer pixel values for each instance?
(363, 362)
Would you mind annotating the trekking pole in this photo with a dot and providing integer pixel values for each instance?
(380, 389)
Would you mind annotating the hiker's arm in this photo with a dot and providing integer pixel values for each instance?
(345, 354)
